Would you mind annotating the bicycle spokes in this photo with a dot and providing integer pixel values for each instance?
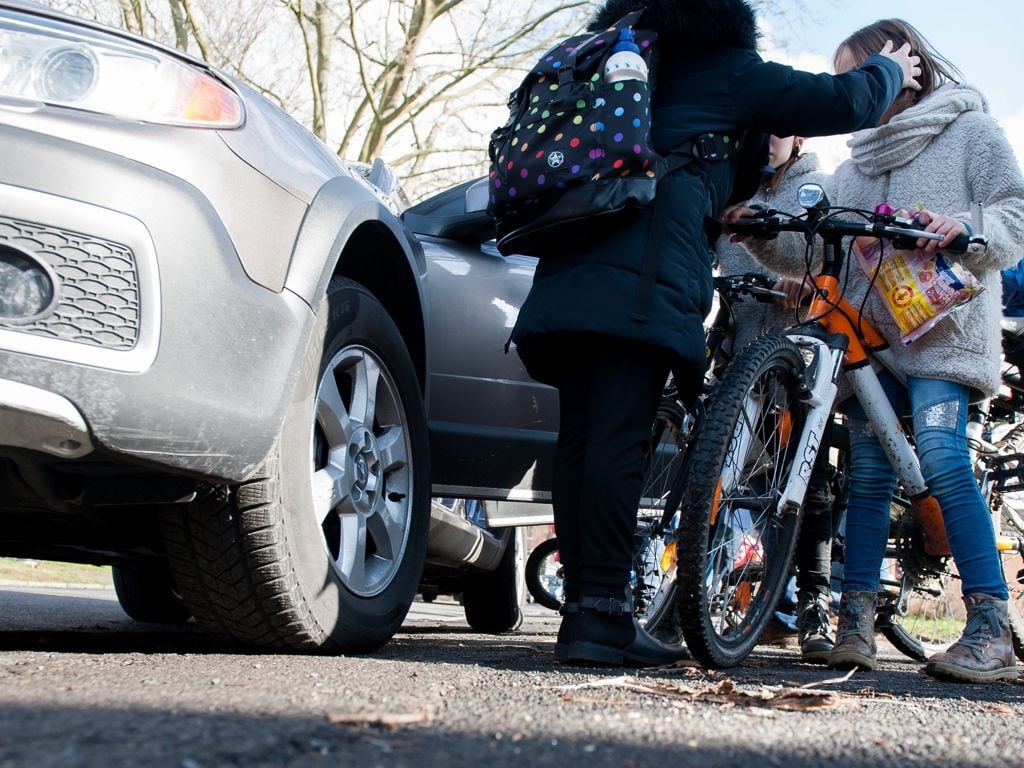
(745, 520)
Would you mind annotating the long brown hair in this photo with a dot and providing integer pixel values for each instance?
(936, 69)
(774, 181)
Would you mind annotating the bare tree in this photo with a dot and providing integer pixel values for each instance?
(433, 76)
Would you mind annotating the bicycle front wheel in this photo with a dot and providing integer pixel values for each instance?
(735, 546)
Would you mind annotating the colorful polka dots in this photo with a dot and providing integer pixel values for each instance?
(572, 132)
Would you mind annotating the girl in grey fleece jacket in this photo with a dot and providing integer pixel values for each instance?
(939, 148)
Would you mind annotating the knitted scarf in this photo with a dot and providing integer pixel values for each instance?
(879, 150)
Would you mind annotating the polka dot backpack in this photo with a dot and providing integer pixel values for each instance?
(575, 146)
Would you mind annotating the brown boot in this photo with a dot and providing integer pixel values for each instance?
(855, 638)
(984, 651)
(815, 631)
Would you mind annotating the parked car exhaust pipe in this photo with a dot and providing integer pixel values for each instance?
(456, 541)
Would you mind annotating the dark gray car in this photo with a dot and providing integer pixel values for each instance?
(228, 365)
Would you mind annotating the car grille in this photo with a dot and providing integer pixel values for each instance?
(98, 301)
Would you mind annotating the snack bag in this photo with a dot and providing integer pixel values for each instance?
(918, 288)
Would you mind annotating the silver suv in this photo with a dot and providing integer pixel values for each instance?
(231, 368)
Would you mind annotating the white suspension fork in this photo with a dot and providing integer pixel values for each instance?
(826, 363)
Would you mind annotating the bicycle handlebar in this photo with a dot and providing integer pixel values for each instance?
(902, 233)
(751, 283)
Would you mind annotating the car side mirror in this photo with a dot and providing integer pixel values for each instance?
(477, 196)
(384, 179)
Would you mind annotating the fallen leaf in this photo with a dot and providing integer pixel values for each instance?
(831, 680)
(725, 694)
(389, 720)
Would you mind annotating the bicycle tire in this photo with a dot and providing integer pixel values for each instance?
(536, 565)
(745, 444)
(654, 558)
(1012, 503)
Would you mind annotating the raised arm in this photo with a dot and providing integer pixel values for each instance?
(775, 98)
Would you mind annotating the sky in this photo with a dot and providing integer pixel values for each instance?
(983, 39)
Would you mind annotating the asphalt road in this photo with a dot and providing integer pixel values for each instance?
(82, 685)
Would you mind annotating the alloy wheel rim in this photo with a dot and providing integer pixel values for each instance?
(361, 471)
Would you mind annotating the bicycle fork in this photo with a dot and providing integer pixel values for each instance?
(823, 370)
(820, 394)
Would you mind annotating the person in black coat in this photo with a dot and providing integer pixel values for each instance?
(580, 329)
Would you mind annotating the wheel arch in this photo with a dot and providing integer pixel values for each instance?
(348, 232)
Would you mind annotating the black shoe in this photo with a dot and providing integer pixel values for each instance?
(566, 630)
(605, 632)
(816, 641)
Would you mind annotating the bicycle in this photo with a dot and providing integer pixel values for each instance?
(749, 466)
(653, 571)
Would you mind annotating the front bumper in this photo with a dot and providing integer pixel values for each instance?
(196, 375)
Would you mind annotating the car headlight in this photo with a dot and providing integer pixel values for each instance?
(69, 66)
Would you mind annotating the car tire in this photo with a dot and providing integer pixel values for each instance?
(493, 600)
(147, 592)
(323, 549)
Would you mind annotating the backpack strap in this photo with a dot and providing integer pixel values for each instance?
(707, 148)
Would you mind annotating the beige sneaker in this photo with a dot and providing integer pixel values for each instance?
(984, 651)
(855, 637)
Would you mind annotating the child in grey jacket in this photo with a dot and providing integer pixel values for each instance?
(940, 149)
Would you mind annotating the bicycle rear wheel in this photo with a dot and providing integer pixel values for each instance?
(735, 546)
(544, 578)
(654, 554)
(926, 614)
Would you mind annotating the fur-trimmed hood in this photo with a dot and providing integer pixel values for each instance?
(702, 24)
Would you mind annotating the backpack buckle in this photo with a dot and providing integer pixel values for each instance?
(565, 75)
(706, 148)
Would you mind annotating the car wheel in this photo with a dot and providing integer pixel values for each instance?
(323, 550)
(147, 593)
(493, 600)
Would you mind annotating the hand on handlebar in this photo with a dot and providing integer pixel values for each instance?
(946, 226)
(794, 289)
(733, 214)
(909, 63)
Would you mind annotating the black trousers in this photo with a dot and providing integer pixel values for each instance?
(813, 555)
(608, 397)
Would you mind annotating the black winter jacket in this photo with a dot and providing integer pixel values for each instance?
(710, 79)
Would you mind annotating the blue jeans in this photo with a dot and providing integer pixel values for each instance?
(939, 410)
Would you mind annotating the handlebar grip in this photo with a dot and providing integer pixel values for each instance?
(758, 227)
(960, 244)
(908, 241)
